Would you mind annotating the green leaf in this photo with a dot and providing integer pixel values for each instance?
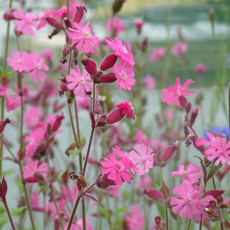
(2, 209)
(43, 188)
(17, 211)
(213, 171)
(7, 172)
(54, 178)
(104, 211)
(82, 139)
(120, 210)
(6, 75)
(75, 152)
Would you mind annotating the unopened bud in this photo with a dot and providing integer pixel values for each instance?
(193, 116)
(4, 123)
(153, 194)
(102, 121)
(57, 122)
(214, 193)
(67, 23)
(139, 24)
(188, 107)
(186, 131)
(183, 101)
(3, 189)
(79, 13)
(117, 4)
(66, 50)
(90, 67)
(108, 62)
(108, 78)
(158, 220)
(168, 153)
(55, 32)
(144, 44)
(53, 22)
(115, 116)
(8, 16)
(212, 14)
(63, 88)
(103, 182)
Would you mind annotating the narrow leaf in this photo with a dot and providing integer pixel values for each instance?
(54, 178)
(43, 188)
(120, 210)
(104, 211)
(75, 152)
(213, 171)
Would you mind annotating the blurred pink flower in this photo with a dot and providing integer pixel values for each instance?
(83, 103)
(139, 24)
(42, 18)
(24, 22)
(200, 69)
(78, 225)
(144, 182)
(62, 12)
(193, 173)
(219, 150)
(149, 82)
(127, 109)
(179, 48)
(36, 67)
(157, 145)
(47, 55)
(168, 115)
(32, 117)
(118, 26)
(31, 170)
(34, 202)
(157, 54)
(140, 137)
(114, 191)
(81, 82)
(18, 61)
(120, 50)
(173, 92)
(83, 39)
(144, 161)
(188, 203)
(135, 220)
(125, 75)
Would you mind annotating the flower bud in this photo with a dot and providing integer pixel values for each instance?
(67, 23)
(108, 78)
(188, 107)
(214, 193)
(103, 182)
(66, 50)
(158, 220)
(115, 116)
(79, 13)
(63, 88)
(212, 14)
(102, 121)
(57, 122)
(90, 67)
(117, 4)
(108, 62)
(3, 189)
(8, 16)
(144, 44)
(139, 24)
(4, 123)
(153, 194)
(193, 116)
(183, 101)
(54, 32)
(53, 22)
(168, 153)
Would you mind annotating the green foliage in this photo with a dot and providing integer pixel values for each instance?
(75, 152)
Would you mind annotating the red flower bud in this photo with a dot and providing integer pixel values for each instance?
(193, 116)
(67, 23)
(168, 153)
(158, 220)
(66, 50)
(3, 189)
(57, 122)
(53, 22)
(3, 124)
(108, 78)
(214, 193)
(63, 88)
(103, 182)
(188, 107)
(115, 116)
(90, 67)
(102, 121)
(183, 101)
(108, 62)
(153, 194)
(54, 32)
(32, 179)
(79, 13)
(8, 16)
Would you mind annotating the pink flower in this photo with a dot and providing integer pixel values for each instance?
(144, 182)
(116, 170)
(168, 115)
(18, 61)
(139, 24)
(157, 54)
(120, 50)
(193, 174)
(179, 48)
(115, 191)
(174, 92)
(78, 225)
(127, 109)
(200, 69)
(83, 39)
(144, 161)
(34, 202)
(63, 13)
(36, 67)
(31, 170)
(149, 82)
(81, 82)
(125, 75)
(83, 103)
(32, 117)
(118, 26)
(140, 137)
(188, 203)
(220, 150)
(135, 220)
(24, 22)
(43, 17)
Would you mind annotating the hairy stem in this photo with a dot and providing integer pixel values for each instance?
(9, 215)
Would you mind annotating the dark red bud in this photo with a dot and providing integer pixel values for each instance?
(183, 101)
(98, 108)
(102, 121)
(168, 153)
(108, 78)
(57, 122)
(214, 193)
(115, 116)
(103, 182)
(108, 62)
(153, 194)
(54, 32)
(188, 107)
(117, 6)
(79, 13)
(4, 123)
(67, 23)
(90, 67)
(8, 16)
(193, 116)
(53, 22)
(66, 50)
(158, 220)
(186, 131)
(3, 189)
(32, 179)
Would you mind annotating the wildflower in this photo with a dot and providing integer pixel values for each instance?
(18, 61)
(157, 54)
(193, 174)
(114, 191)
(79, 82)
(42, 18)
(78, 225)
(188, 203)
(179, 48)
(144, 182)
(149, 82)
(120, 50)
(127, 108)
(139, 24)
(3, 190)
(220, 150)
(118, 26)
(153, 194)
(173, 93)
(34, 202)
(32, 117)
(24, 22)
(125, 75)
(83, 39)
(47, 55)
(32, 170)
(140, 137)
(3, 124)
(200, 69)
(83, 103)
(135, 220)
(144, 161)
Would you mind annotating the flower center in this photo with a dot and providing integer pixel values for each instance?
(86, 34)
(82, 80)
(39, 66)
(123, 75)
(19, 61)
(189, 199)
(119, 166)
(178, 92)
(221, 152)
(183, 173)
(123, 49)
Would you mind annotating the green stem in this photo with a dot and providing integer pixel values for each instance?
(229, 110)
(107, 203)
(189, 224)
(72, 125)
(201, 222)
(9, 215)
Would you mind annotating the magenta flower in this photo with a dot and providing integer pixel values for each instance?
(83, 39)
(118, 26)
(78, 225)
(83, 103)
(116, 170)
(24, 22)
(42, 18)
(219, 149)
(179, 48)
(32, 117)
(32, 170)
(120, 50)
(193, 174)
(114, 191)
(173, 93)
(149, 82)
(139, 24)
(125, 75)
(144, 182)
(188, 203)
(81, 82)
(18, 61)
(157, 54)
(36, 66)
(200, 69)
(127, 109)
(135, 220)
(34, 202)
(144, 161)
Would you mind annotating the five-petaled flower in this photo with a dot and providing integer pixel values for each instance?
(127, 109)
